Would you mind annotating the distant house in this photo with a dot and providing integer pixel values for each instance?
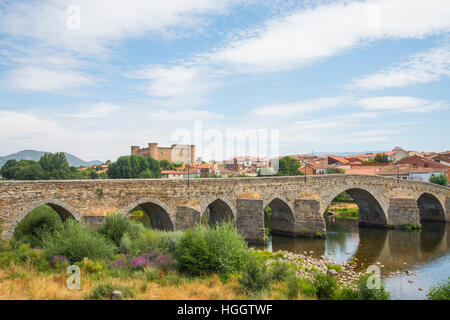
(421, 162)
(397, 154)
(442, 158)
(412, 172)
(367, 169)
(207, 169)
(173, 174)
(307, 169)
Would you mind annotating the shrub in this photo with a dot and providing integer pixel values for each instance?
(36, 224)
(151, 273)
(90, 266)
(149, 240)
(362, 292)
(336, 267)
(220, 249)
(255, 277)
(115, 226)
(441, 291)
(280, 271)
(76, 242)
(440, 179)
(105, 291)
(59, 262)
(325, 285)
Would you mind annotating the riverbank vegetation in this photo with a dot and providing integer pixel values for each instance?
(202, 263)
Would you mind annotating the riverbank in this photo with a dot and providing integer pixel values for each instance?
(343, 210)
(141, 263)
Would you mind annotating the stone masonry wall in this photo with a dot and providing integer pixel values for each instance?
(88, 198)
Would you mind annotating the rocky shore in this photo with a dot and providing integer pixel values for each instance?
(306, 265)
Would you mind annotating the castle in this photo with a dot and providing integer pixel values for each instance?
(176, 153)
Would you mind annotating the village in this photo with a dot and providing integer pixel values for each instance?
(398, 163)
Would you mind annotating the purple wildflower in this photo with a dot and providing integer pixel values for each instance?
(57, 259)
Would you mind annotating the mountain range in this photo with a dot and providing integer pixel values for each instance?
(36, 155)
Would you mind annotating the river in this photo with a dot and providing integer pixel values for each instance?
(425, 253)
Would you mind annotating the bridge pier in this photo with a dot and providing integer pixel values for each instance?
(94, 220)
(187, 217)
(308, 218)
(250, 219)
(403, 211)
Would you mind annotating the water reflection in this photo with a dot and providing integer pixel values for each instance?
(426, 252)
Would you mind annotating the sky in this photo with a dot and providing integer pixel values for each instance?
(93, 78)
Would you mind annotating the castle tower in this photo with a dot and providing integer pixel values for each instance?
(153, 149)
(134, 150)
(192, 151)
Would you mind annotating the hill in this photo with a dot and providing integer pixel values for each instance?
(36, 155)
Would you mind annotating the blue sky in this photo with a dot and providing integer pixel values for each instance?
(94, 77)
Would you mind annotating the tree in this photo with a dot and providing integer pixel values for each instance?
(166, 165)
(334, 171)
(134, 166)
(22, 170)
(289, 166)
(439, 179)
(379, 158)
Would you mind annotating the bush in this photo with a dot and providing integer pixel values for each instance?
(76, 242)
(362, 292)
(325, 285)
(150, 240)
(220, 249)
(105, 291)
(439, 179)
(255, 277)
(441, 291)
(280, 271)
(36, 224)
(115, 226)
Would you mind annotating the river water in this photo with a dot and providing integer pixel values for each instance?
(425, 253)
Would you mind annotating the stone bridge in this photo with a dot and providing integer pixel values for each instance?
(297, 203)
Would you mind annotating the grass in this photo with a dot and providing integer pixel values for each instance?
(34, 285)
(342, 210)
(204, 263)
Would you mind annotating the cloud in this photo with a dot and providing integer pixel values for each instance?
(423, 67)
(102, 22)
(178, 82)
(99, 110)
(322, 31)
(402, 104)
(290, 109)
(185, 115)
(38, 79)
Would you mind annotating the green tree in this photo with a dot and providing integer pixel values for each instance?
(439, 179)
(334, 171)
(134, 166)
(289, 166)
(379, 158)
(8, 169)
(22, 170)
(166, 165)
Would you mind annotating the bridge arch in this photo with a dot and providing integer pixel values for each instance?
(370, 210)
(282, 218)
(64, 211)
(159, 214)
(219, 210)
(430, 208)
